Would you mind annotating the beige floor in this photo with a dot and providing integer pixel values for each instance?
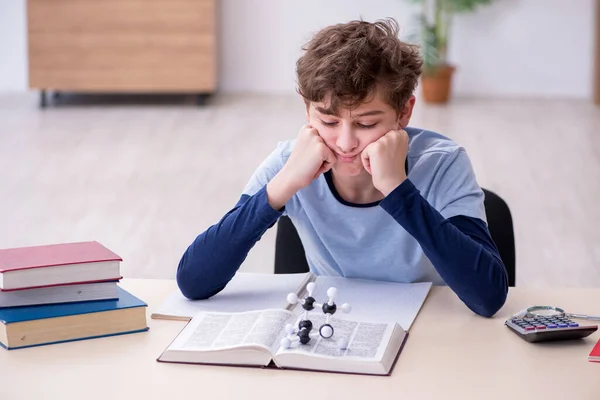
(146, 178)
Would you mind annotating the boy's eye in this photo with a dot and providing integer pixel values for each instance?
(362, 126)
(367, 126)
(329, 123)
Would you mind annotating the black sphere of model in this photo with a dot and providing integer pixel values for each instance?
(309, 303)
(304, 335)
(305, 323)
(329, 309)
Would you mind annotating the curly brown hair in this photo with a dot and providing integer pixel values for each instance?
(346, 63)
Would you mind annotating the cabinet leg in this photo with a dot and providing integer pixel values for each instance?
(43, 99)
(201, 99)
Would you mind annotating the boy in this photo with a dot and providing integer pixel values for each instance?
(370, 197)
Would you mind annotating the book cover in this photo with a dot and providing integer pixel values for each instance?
(16, 290)
(30, 313)
(54, 254)
(76, 340)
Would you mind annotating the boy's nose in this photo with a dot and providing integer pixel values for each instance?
(347, 141)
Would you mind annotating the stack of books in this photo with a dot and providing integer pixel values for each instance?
(64, 292)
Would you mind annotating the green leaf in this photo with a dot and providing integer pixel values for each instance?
(457, 5)
(434, 31)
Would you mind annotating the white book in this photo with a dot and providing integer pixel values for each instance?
(70, 293)
(245, 324)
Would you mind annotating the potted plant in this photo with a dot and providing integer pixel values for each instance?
(435, 20)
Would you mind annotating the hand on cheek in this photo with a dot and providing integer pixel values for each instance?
(309, 159)
(384, 159)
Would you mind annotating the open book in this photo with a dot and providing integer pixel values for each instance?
(367, 340)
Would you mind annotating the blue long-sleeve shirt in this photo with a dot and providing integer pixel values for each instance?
(460, 248)
(430, 228)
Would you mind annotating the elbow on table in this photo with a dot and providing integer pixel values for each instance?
(492, 294)
(191, 283)
(490, 305)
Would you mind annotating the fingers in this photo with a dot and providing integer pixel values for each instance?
(392, 133)
(396, 136)
(307, 131)
(328, 157)
(365, 157)
(324, 168)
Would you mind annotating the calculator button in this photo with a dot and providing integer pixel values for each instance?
(529, 328)
(540, 327)
(551, 326)
(563, 325)
(573, 324)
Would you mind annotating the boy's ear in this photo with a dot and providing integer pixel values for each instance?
(306, 108)
(406, 113)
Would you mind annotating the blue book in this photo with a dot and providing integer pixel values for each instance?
(48, 324)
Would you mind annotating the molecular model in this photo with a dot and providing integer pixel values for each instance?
(305, 326)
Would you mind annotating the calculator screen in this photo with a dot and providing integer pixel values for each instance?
(547, 313)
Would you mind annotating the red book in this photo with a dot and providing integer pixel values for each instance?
(595, 353)
(57, 264)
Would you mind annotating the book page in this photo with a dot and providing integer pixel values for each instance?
(245, 292)
(374, 301)
(365, 340)
(215, 331)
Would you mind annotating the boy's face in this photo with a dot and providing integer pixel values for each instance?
(349, 132)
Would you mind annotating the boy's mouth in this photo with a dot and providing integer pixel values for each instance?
(346, 159)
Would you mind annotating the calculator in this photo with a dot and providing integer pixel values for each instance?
(542, 329)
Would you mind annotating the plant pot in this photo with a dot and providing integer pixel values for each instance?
(436, 84)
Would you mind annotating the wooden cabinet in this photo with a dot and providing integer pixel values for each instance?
(122, 46)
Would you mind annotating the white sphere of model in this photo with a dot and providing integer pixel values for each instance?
(286, 343)
(332, 292)
(326, 331)
(289, 329)
(292, 298)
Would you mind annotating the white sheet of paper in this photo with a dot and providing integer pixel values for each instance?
(375, 301)
(245, 292)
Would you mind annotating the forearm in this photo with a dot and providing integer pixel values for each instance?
(471, 268)
(280, 190)
(214, 257)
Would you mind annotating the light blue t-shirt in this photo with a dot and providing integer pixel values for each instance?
(366, 242)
